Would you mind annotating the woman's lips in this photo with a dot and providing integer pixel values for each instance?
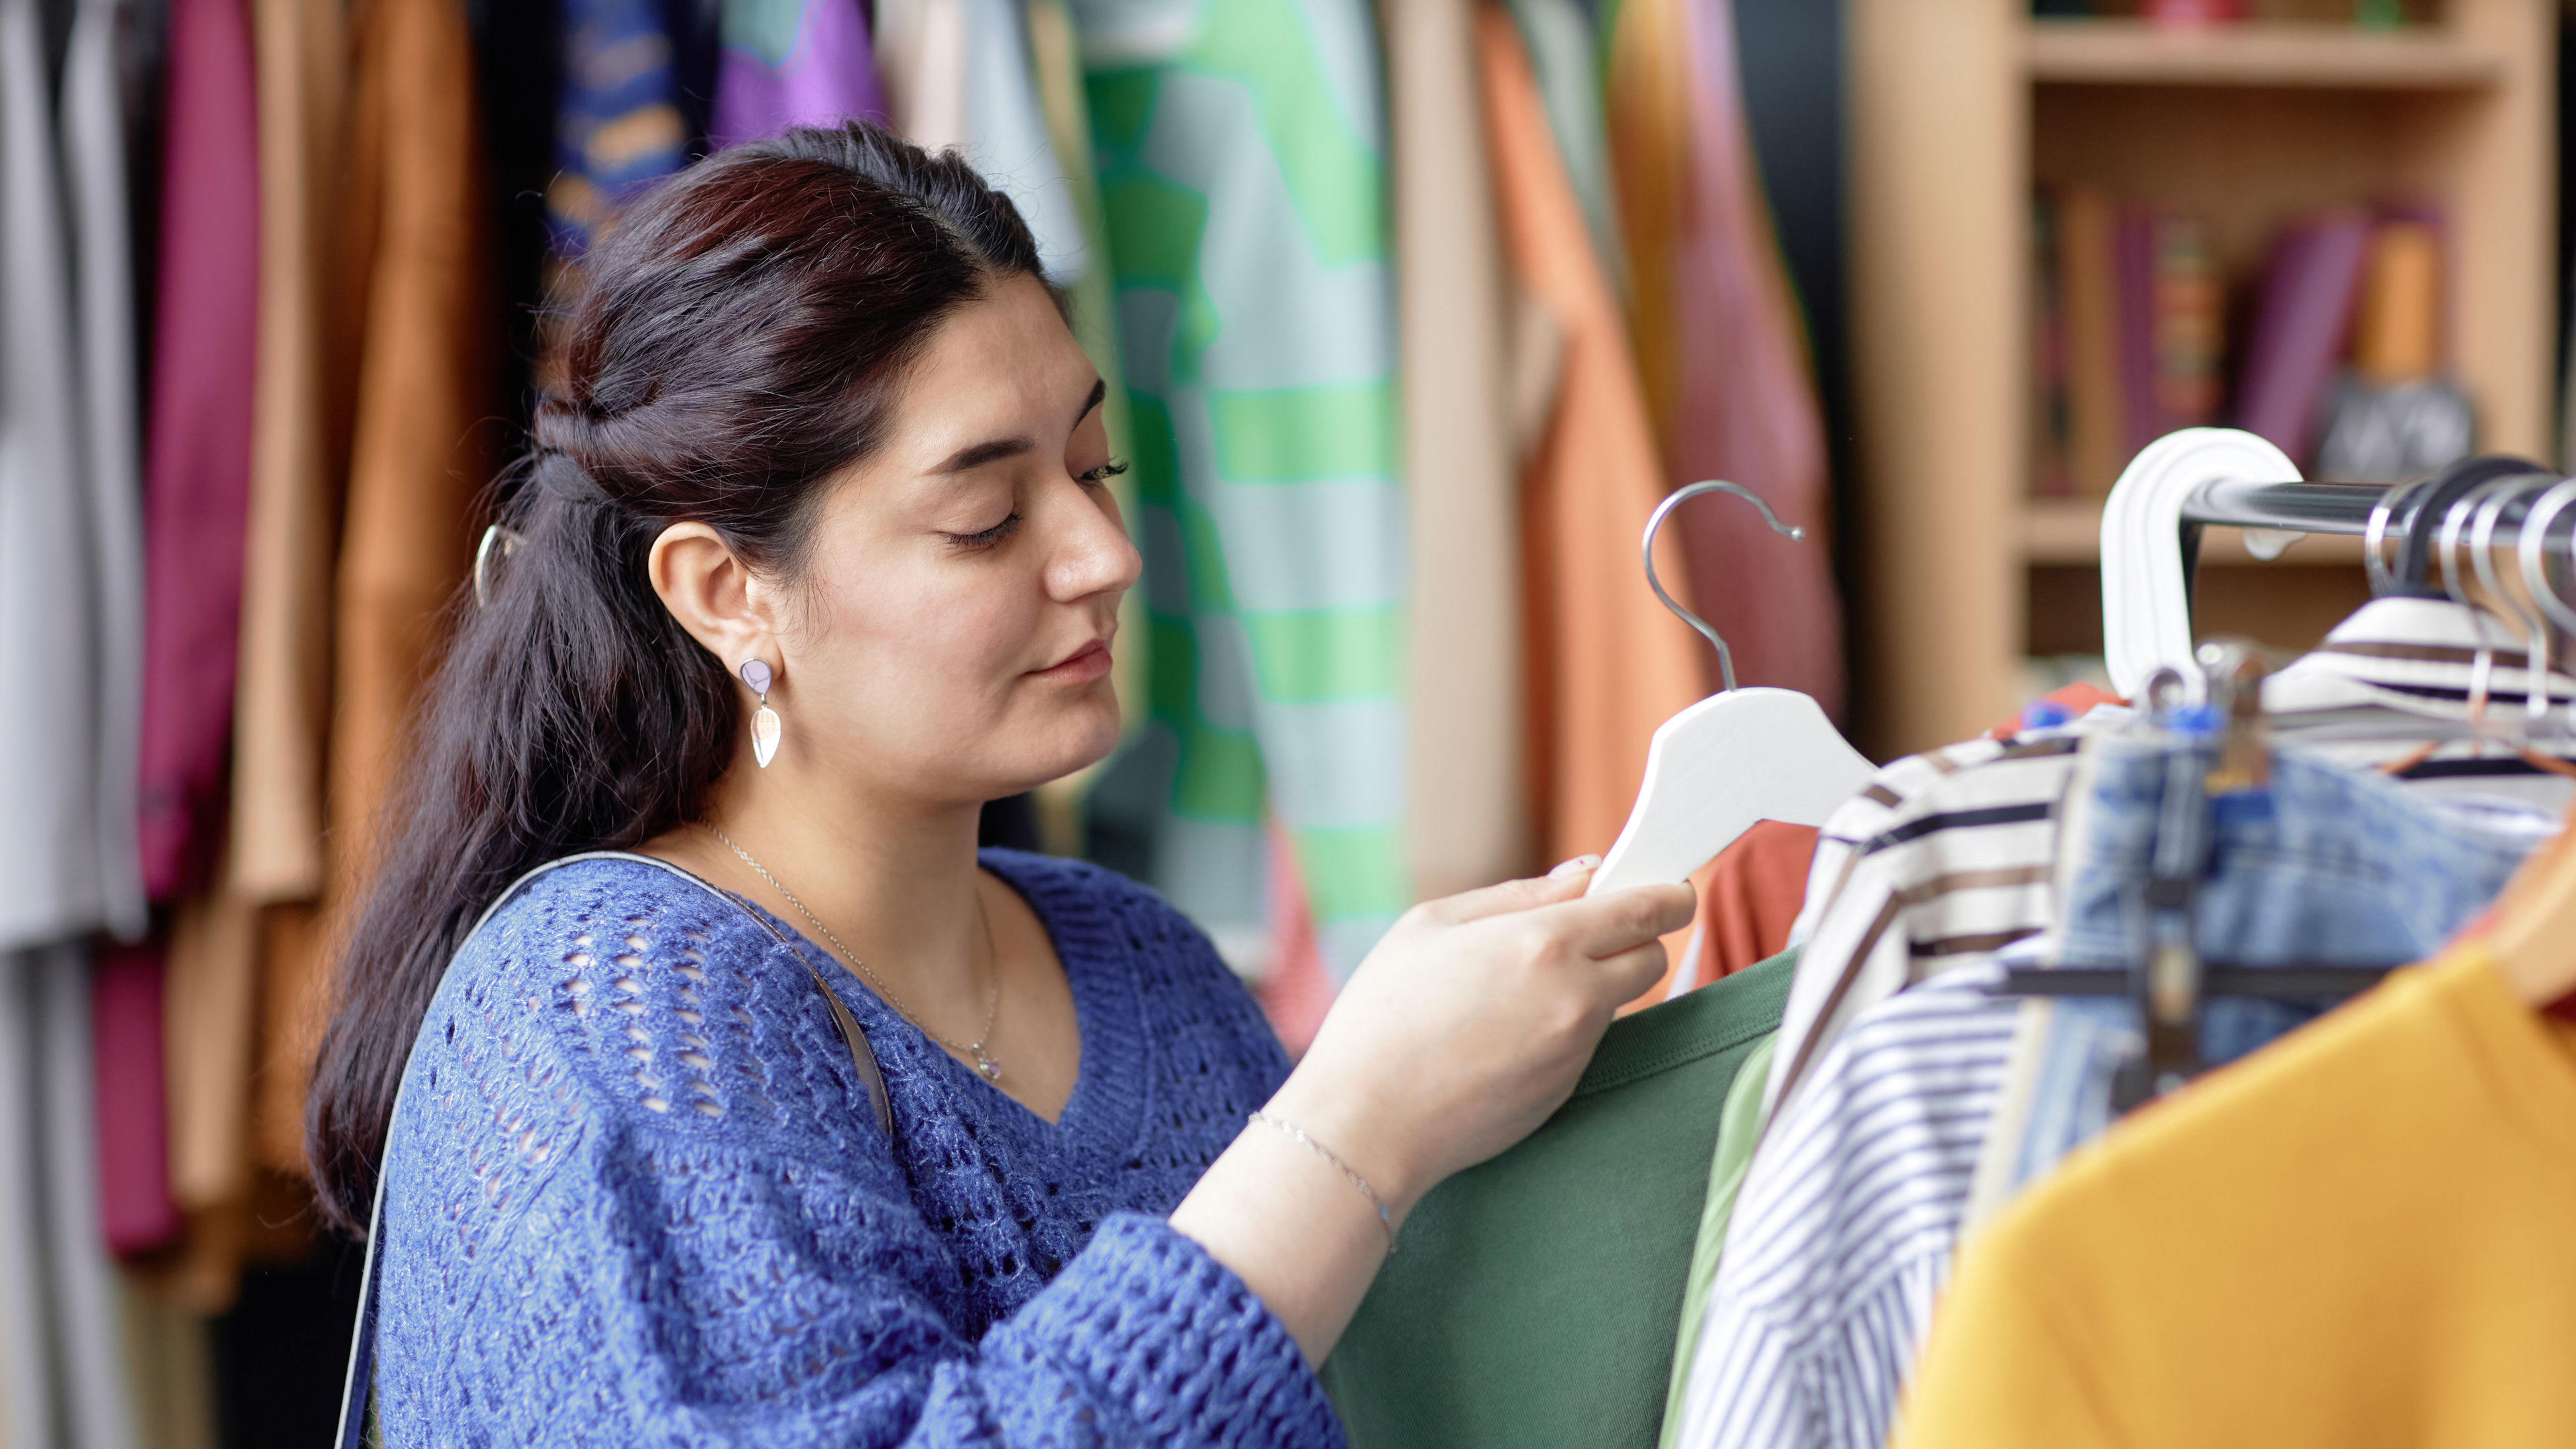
(1086, 664)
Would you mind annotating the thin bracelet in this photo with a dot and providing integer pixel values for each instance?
(1385, 1218)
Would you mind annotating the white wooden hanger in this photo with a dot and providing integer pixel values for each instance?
(1738, 756)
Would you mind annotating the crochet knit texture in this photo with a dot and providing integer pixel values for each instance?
(636, 1194)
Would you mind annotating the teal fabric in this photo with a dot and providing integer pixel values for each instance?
(1739, 1125)
(1241, 157)
(1531, 1300)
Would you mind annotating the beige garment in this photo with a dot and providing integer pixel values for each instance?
(921, 56)
(280, 704)
(414, 239)
(1467, 822)
(208, 1016)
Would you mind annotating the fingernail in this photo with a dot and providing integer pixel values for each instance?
(1576, 866)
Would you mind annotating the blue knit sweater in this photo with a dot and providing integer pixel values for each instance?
(636, 1194)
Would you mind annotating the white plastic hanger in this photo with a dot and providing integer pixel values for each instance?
(1738, 756)
(2146, 602)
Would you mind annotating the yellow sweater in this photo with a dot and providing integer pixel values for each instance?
(2364, 1235)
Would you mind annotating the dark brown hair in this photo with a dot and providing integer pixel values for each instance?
(736, 340)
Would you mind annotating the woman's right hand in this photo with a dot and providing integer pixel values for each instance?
(1459, 1034)
(1471, 1021)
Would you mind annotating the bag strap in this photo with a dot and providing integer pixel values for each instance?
(358, 1388)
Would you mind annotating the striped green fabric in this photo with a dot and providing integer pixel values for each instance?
(1243, 175)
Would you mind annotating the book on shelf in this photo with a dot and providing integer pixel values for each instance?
(2302, 319)
(2128, 335)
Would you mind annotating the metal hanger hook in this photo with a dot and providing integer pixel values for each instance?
(1725, 657)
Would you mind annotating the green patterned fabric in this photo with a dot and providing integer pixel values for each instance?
(1242, 172)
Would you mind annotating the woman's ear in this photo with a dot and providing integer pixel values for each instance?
(711, 593)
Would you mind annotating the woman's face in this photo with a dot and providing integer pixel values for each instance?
(949, 638)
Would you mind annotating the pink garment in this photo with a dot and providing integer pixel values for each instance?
(1294, 992)
(819, 74)
(135, 1209)
(1747, 409)
(197, 466)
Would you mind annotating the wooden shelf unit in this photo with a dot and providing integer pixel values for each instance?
(1961, 108)
(2289, 53)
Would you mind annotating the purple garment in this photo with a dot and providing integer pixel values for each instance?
(792, 63)
(197, 469)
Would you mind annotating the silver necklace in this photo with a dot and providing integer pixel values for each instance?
(984, 1063)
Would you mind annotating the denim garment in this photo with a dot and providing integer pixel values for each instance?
(2324, 866)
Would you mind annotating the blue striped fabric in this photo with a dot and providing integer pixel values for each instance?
(1844, 1232)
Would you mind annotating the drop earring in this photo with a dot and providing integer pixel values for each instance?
(764, 721)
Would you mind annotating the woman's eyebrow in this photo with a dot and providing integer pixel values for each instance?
(995, 449)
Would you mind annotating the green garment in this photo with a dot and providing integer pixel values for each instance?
(1738, 1126)
(1243, 184)
(1531, 1300)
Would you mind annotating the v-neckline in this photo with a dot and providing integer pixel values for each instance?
(1096, 1111)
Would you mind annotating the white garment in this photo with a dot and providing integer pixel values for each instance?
(52, 881)
(94, 152)
(62, 1366)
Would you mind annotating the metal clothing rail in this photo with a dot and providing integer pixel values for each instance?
(2336, 508)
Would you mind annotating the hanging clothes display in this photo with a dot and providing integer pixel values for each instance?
(197, 456)
(1243, 179)
(1820, 1299)
(1531, 1298)
(1605, 666)
(1466, 819)
(2356, 1237)
(792, 63)
(413, 241)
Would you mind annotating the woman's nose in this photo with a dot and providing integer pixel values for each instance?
(1096, 555)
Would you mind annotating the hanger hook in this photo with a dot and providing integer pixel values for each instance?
(1725, 657)
(2482, 530)
(2457, 515)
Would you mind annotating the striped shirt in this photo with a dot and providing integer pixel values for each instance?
(1945, 857)
(1829, 1274)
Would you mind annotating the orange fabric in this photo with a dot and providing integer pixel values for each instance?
(1646, 97)
(413, 227)
(1749, 897)
(2079, 697)
(1606, 664)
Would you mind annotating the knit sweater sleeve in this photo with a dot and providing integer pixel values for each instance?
(699, 1294)
(635, 1195)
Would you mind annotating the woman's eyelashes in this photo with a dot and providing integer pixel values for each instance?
(992, 537)
(985, 538)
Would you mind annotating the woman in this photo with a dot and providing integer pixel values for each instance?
(815, 558)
